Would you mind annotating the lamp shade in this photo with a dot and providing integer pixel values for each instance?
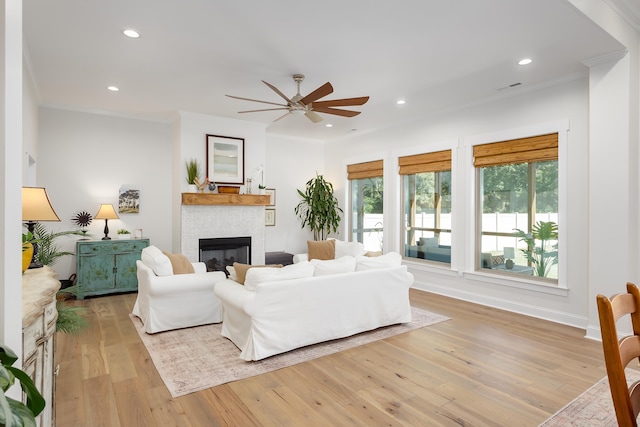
(36, 205)
(106, 211)
(509, 252)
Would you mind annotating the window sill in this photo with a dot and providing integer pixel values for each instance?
(517, 281)
(430, 266)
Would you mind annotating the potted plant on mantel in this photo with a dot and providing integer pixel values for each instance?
(193, 172)
(319, 208)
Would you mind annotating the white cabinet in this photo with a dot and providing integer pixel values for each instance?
(39, 315)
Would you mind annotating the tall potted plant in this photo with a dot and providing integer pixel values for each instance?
(319, 208)
(545, 256)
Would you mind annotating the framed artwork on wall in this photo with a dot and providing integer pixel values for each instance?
(271, 192)
(225, 159)
(269, 217)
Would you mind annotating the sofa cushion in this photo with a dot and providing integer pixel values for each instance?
(242, 269)
(348, 248)
(321, 249)
(158, 262)
(391, 259)
(179, 263)
(429, 242)
(373, 253)
(345, 264)
(255, 276)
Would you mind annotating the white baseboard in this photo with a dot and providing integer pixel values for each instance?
(515, 307)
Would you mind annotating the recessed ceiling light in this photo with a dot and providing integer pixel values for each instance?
(400, 101)
(113, 88)
(329, 125)
(131, 33)
(525, 61)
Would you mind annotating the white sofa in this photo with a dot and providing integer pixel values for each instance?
(284, 311)
(169, 301)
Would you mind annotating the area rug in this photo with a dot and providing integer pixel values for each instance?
(593, 408)
(193, 359)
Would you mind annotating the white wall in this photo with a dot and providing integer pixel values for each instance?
(290, 163)
(84, 159)
(11, 161)
(30, 106)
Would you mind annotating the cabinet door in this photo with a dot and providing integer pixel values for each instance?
(96, 273)
(126, 278)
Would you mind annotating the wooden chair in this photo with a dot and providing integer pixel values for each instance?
(618, 353)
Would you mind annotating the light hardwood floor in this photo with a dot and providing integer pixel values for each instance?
(484, 367)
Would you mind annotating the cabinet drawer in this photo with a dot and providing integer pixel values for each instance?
(111, 247)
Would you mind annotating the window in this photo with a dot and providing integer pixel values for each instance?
(427, 206)
(366, 190)
(518, 206)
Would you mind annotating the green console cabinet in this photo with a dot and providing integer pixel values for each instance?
(107, 266)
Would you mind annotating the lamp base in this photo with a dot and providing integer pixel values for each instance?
(106, 238)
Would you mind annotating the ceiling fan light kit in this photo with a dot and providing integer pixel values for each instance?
(309, 104)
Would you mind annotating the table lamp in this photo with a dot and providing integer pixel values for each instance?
(36, 207)
(509, 255)
(106, 212)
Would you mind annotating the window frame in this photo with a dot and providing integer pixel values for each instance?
(472, 255)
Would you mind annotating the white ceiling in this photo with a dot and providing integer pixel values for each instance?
(434, 54)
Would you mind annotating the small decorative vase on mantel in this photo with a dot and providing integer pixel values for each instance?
(192, 188)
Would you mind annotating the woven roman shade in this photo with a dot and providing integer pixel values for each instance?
(524, 150)
(365, 170)
(438, 161)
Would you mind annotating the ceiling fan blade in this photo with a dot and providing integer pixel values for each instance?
(276, 90)
(341, 102)
(314, 117)
(265, 109)
(322, 91)
(256, 100)
(336, 111)
(284, 115)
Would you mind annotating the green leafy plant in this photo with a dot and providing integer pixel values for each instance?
(48, 250)
(71, 319)
(13, 412)
(261, 187)
(123, 231)
(193, 171)
(319, 208)
(544, 256)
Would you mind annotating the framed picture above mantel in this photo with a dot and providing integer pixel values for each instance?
(225, 159)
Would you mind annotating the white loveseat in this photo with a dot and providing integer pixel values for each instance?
(281, 309)
(169, 301)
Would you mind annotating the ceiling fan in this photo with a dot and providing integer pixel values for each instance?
(309, 105)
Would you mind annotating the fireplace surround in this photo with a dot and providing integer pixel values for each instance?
(203, 221)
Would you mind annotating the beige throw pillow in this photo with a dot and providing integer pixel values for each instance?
(180, 263)
(322, 249)
(241, 270)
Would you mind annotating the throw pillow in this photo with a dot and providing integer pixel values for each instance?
(255, 276)
(345, 264)
(242, 269)
(322, 249)
(348, 248)
(391, 259)
(372, 254)
(153, 258)
(180, 263)
(232, 273)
